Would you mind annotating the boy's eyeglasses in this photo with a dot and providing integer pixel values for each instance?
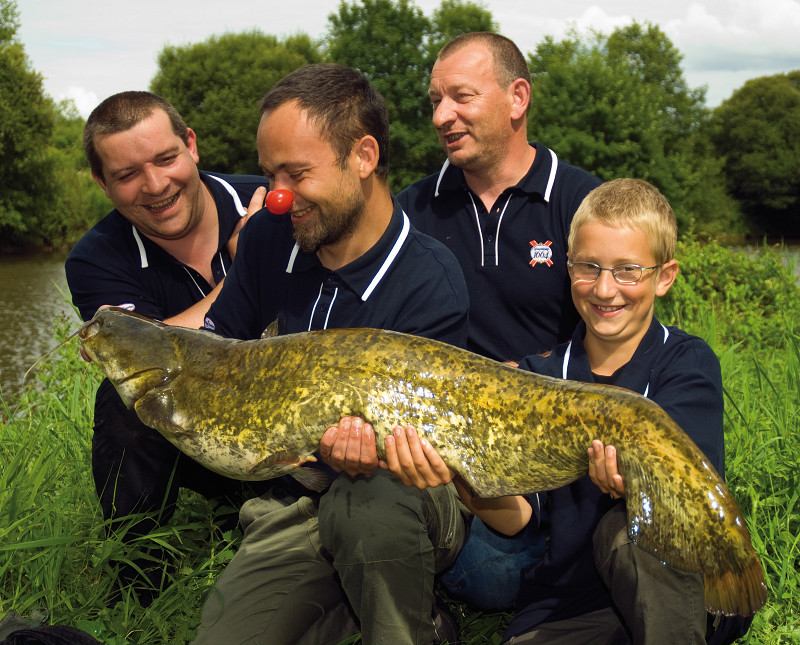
(623, 273)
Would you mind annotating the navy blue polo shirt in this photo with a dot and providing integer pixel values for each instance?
(678, 371)
(114, 264)
(406, 282)
(513, 257)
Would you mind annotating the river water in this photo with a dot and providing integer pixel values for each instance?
(30, 302)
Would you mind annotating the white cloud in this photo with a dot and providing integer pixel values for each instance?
(85, 100)
(112, 47)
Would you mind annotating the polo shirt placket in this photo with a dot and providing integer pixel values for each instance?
(513, 256)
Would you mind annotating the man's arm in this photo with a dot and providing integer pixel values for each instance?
(194, 316)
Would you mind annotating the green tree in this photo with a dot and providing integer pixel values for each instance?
(453, 18)
(394, 45)
(79, 202)
(619, 106)
(26, 126)
(757, 132)
(217, 84)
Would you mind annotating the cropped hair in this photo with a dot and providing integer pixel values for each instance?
(121, 112)
(509, 63)
(341, 102)
(633, 204)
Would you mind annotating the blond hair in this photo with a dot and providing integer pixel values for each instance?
(634, 204)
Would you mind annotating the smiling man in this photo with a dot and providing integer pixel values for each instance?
(502, 205)
(362, 556)
(163, 252)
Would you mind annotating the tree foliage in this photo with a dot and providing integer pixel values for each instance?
(757, 132)
(26, 126)
(217, 84)
(395, 45)
(619, 105)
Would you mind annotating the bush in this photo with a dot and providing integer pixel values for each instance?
(743, 299)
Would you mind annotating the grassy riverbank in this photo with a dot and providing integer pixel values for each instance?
(54, 551)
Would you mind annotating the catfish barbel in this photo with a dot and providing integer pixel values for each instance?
(257, 409)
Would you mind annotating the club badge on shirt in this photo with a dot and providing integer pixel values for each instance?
(541, 253)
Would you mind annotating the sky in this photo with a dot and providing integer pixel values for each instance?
(87, 50)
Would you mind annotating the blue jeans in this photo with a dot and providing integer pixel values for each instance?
(486, 573)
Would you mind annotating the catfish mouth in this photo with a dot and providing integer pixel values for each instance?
(134, 386)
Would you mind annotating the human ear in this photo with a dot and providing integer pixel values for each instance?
(520, 98)
(191, 144)
(367, 153)
(666, 277)
(101, 183)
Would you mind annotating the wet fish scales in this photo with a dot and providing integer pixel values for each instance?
(256, 409)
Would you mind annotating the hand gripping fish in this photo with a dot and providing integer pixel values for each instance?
(257, 409)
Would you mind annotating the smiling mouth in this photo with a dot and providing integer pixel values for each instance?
(609, 310)
(452, 138)
(160, 207)
(301, 213)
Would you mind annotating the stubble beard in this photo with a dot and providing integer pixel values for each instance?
(333, 224)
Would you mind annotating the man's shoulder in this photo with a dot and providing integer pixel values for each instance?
(112, 230)
(571, 179)
(419, 196)
(239, 182)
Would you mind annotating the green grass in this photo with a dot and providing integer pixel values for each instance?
(54, 551)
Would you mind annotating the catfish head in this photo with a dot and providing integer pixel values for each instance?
(133, 351)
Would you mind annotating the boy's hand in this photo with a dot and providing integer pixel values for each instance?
(414, 461)
(603, 469)
(350, 447)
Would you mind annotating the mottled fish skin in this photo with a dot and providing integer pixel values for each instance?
(256, 409)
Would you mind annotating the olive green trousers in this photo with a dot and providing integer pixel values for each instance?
(653, 604)
(360, 558)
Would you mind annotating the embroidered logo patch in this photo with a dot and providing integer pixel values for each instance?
(541, 253)
(209, 324)
(127, 306)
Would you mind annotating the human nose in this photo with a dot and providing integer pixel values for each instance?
(281, 182)
(443, 113)
(155, 181)
(605, 286)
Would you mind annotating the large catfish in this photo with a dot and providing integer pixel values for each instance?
(257, 409)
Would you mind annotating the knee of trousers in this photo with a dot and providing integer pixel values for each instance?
(624, 566)
(610, 535)
(379, 518)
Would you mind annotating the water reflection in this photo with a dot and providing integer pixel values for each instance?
(30, 301)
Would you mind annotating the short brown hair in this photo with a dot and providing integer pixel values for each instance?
(341, 102)
(121, 112)
(633, 204)
(509, 63)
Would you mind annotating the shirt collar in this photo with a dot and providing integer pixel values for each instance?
(363, 274)
(635, 375)
(538, 180)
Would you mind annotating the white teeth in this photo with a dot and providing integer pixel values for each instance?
(608, 309)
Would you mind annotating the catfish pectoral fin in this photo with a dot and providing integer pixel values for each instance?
(312, 478)
(156, 409)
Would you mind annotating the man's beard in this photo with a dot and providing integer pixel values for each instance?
(333, 224)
